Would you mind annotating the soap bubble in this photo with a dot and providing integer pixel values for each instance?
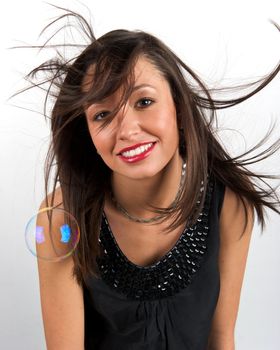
(52, 234)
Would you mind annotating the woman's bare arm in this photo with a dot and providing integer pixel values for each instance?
(232, 261)
(61, 302)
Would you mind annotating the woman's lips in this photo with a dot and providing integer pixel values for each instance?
(137, 157)
(134, 147)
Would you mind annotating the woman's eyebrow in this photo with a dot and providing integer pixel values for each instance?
(137, 87)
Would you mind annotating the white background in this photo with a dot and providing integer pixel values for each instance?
(225, 42)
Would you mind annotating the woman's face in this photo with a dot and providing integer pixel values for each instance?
(143, 136)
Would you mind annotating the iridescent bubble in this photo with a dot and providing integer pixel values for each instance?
(52, 234)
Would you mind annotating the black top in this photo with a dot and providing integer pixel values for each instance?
(167, 305)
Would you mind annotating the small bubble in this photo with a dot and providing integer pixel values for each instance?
(52, 234)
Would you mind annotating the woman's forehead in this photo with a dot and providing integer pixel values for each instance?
(145, 69)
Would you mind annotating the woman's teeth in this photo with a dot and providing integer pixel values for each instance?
(137, 150)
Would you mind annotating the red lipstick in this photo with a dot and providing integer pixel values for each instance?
(136, 157)
(133, 147)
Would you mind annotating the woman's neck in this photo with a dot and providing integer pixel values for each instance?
(159, 190)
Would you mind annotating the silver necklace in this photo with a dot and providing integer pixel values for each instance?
(158, 217)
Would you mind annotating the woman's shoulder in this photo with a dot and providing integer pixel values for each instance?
(236, 215)
(54, 199)
(232, 206)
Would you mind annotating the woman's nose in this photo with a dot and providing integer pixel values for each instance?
(128, 123)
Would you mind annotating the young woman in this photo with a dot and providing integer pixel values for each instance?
(166, 215)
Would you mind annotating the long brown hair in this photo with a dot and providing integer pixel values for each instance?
(83, 176)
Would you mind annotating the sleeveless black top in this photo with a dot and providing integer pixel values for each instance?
(167, 305)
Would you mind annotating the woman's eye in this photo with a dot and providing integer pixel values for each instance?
(101, 115)
(144, 102)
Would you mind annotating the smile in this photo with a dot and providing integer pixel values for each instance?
(138, 153)
(137, 150)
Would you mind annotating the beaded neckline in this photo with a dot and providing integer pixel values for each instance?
(171, 273)
(150, 266)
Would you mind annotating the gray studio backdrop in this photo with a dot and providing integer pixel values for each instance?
(225, 42)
